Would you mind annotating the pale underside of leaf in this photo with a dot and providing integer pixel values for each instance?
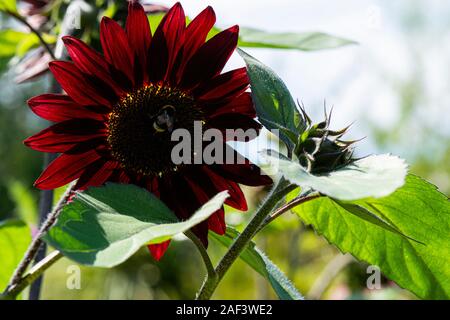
(373, 176)
(104, 226)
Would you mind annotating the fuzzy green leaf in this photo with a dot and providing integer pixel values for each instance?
(418, 210)
(257, 260)
(104, 226)
(15, 237)
(272, 100)
(374, 176)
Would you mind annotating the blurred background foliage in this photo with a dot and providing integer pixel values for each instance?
(395, 84)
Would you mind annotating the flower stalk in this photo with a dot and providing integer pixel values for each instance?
(32, 250)
(34, 31)
(210, 271)
(278, 192)
(35, 273)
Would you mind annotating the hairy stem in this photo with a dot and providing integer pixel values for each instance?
(279, 191)
(36, 32)
(288, 206)
(31, 276)
(211, 273)
(37, 241)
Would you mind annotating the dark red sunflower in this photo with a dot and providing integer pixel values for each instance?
(107, 125)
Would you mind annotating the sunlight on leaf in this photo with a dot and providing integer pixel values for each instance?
(8, 6)
(375, 176)
(25, 204)
(418, 210)
(15, 236)
(274, 105)
(104, 226)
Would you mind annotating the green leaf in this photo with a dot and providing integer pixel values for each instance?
(25, 204)
(9, 39)
(31, 41)
(305, 41)
(365, 214)
(8, 6)
(9, 42)
(104, 226)
(272, 100)
(375, 176)
(15, 236)
(417, 209)
(257, 260)
(255, 38)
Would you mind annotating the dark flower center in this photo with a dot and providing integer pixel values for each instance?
(141, 124)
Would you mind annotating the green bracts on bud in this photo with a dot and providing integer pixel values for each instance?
(320, 149)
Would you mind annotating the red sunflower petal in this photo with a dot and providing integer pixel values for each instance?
(90, 62)
(120, 176)
(245, 172)
(158, 250)
(64, 135)
(216, 222)
(190, 199)
(139, 37)
(96, 174)
(230, 84)
(152, 185)
(77, 86)
(210, 58)
(116, 47)
(60, 107)
(219, 183)
(196, 33)
(204, 189)
(201, 231)
(65, 169)
(166, 43)
(242, 105)
(233, 122)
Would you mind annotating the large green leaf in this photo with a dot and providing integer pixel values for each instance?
(374, 176)
(256, 259)
(305, 41)
(104, 226)
(274, 104)
(15, 237)
(8, 6)
(418, 210)
(255, 38)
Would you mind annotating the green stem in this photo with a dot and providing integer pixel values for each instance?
(279, 191)
(31, 276)
(211, 273)
(37, 241)
(36, 32)
(294, 203)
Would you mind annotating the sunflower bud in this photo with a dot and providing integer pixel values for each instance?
(320, 149)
